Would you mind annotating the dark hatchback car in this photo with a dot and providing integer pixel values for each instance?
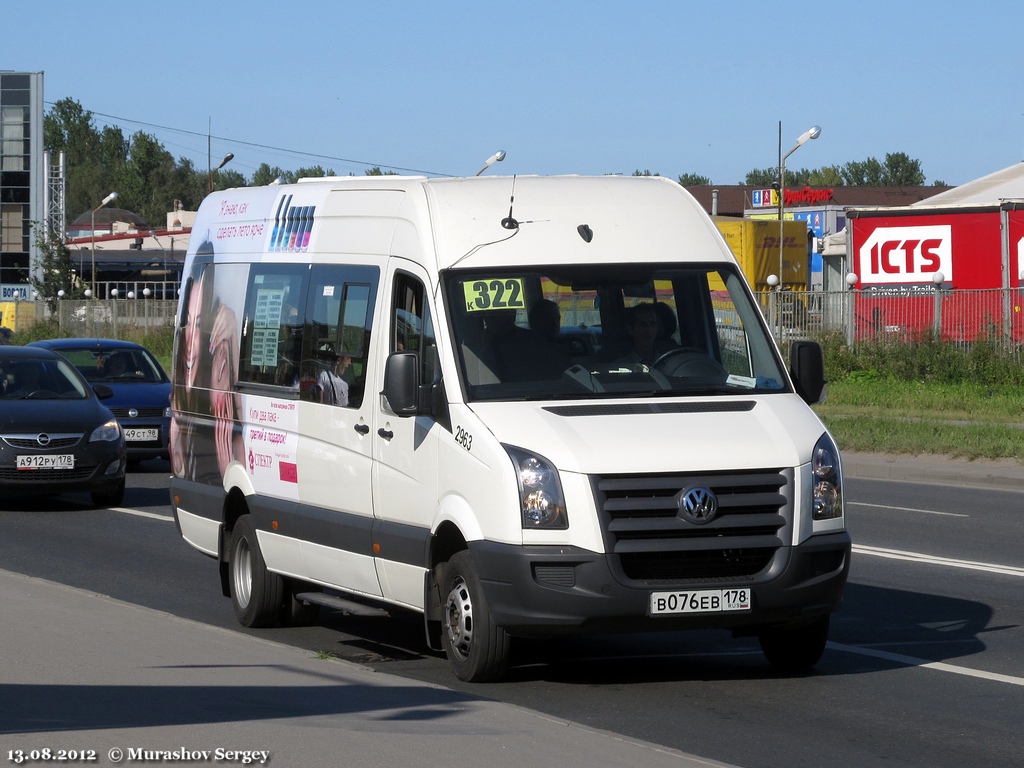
(141, 388)
(55, 434)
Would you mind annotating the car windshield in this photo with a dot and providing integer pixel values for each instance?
(39, 379)
(115, 364)
(592, 331)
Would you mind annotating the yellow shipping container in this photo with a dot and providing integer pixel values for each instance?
(755, 244)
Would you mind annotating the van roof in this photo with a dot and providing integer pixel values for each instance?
(558, 219)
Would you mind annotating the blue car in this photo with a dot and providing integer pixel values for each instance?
(142, 390)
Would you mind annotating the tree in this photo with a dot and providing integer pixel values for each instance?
(694, 180)
(644, 173)
(902, 171)
(376, 171)
(266, 175)
(57, 268)
(761, 177)
(69, 128)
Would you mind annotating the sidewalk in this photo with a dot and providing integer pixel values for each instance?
(1005, 474)
(86, 672)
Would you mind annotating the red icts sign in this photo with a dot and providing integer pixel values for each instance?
(906, 255)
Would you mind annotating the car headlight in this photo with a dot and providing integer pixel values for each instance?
(106, 433)
(167, 412)
(540, 492)
(828, 480)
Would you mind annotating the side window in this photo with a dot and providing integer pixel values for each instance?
(412, 325)
(336, 337)
(274, 324)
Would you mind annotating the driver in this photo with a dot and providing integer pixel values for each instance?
(29, 378)
(117, 365)
(642, 326)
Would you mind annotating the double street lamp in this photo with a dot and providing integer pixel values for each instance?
(109, 198)
(811, 133)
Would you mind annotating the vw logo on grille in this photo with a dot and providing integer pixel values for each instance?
(133, 412)
(697, 505)
(43, 439)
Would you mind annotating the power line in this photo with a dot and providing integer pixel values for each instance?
(266, 146)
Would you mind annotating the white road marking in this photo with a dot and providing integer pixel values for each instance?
(917, 557)
(905, 509)
(913, 661)
(140, 513)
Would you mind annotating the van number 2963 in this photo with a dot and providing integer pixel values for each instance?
(463, 438)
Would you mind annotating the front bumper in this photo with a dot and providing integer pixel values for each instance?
(539, 591)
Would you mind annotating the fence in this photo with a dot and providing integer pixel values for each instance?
(956, 316)
(952, 315)
(95, 318)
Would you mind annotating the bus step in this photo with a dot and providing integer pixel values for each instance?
(340, 604)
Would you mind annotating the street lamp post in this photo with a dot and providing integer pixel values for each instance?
(112, 196)
(811, 133)
(209, 178)
(497, 157)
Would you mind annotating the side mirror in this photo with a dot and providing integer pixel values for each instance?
(807, 366)
(402, 383)
(103, 392)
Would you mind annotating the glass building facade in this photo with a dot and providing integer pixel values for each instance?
(22, 176)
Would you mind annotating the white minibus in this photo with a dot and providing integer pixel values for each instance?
(520, 406)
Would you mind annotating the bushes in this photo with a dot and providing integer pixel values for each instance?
(925, 358)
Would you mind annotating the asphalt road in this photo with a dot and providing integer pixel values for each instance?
(923, 667)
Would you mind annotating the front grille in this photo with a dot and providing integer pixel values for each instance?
(144, 413)
(31, 442)
(650, 543)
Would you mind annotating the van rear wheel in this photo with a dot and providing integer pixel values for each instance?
(256, 594)
(477, 649)
(795, 649)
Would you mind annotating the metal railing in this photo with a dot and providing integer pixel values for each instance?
(95, 318)
(899, 314)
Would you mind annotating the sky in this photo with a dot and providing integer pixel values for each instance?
(573, 86)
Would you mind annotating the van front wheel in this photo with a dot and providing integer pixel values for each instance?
(256, 594)
(477, 649)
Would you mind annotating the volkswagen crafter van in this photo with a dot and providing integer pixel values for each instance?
(522, 407)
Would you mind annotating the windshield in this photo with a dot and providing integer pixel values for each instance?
(39, 379)
(115, 364)
(622, 331)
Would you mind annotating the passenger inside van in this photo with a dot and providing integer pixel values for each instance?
(535, 353)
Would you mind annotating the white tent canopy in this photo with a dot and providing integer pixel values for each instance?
(1007, 184)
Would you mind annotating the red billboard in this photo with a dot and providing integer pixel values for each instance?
(898, 257)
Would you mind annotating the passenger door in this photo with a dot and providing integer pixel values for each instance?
(337, 383)
(405, 449)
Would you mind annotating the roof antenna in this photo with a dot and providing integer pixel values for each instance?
(508, 222)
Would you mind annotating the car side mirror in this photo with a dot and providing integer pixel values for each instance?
(807, 366)
(103, 392)
(402, 383)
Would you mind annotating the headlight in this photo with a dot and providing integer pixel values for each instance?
(828, 480)
(540, 492)
(167, 412)
(106, 433)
